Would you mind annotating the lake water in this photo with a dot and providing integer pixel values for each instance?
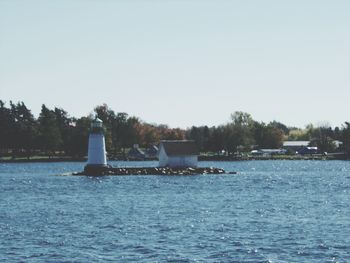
(271, 211)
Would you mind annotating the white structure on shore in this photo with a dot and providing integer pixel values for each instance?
(178, 154)
(97, 148)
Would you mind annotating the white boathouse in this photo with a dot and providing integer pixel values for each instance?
(178, 154)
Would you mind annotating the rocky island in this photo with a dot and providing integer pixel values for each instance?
(101, 171)
(175, 158)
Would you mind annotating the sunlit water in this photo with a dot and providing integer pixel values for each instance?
(271, 211)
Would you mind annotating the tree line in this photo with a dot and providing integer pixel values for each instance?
(243, 134)
(54, 132)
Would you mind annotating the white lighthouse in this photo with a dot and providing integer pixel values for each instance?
(97, 160)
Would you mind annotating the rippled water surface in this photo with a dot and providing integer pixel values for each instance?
(271, 211)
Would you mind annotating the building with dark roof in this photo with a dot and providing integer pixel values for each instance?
(136, 153)
(295, 146)
(178, 154)
(151, 152)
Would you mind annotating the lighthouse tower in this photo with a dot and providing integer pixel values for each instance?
(97, 161)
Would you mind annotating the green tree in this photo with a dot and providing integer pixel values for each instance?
(217, 139)
(280, 126)
(322, 138)
(297, 134)
(49, 132)
(23, 129)
(79, 136)
(201, 136)
(273, 137)
(345, 136)
(64, 125)
(268, 136)
(120, 131)
(238, 133)
(7, 124)
(108, 117)
(132, 129)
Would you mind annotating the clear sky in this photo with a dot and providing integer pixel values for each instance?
(181, 62)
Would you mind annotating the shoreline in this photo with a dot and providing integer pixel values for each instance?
(200, 159)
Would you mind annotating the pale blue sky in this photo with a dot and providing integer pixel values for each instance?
(180, 63)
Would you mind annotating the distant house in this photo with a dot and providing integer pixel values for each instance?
(295, 146)
(268, 152)
(308, 150)
(338, 144)
(178, 154)
(151, 152)
(136, 153)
